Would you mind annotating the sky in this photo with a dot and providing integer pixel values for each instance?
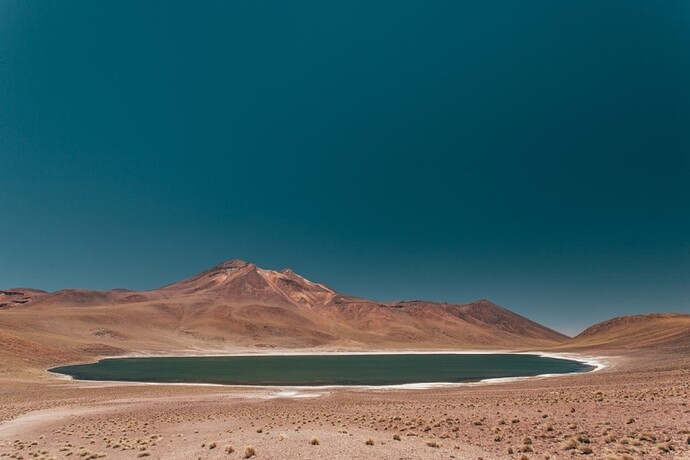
(534, 153)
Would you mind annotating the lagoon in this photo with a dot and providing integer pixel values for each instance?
(323, 369)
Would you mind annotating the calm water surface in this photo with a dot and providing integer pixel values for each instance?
(323, 369)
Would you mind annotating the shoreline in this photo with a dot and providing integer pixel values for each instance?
(598, 362)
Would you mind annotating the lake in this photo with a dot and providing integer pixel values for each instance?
(321, 370)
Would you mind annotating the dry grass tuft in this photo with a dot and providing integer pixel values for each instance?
(647, 437)
(229, 449)
(569, 444)
(664, 447)
(314, 441)
(583, 439)
(249, 452)
(586, 450)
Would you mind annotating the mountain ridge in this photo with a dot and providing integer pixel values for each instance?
(238, 304)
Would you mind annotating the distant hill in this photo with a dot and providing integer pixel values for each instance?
(658, 330)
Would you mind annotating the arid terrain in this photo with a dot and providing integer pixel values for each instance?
(636, 407)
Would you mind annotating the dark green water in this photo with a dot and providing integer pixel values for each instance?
(296, 370)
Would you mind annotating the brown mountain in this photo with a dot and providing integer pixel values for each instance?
(658, 330)
(239, 305)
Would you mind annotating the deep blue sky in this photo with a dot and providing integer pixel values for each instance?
(531, 152)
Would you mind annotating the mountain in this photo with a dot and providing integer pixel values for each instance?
(239, 305)
(658, 330)
(240, 281)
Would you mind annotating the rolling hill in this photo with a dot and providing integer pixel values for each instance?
(658, 330)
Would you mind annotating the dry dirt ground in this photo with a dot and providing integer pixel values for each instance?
(637, 408)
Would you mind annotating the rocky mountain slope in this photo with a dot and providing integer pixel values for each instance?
(239, 305)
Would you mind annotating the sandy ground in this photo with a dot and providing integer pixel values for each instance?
(637, 407)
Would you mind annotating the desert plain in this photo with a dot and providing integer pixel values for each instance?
(637, 406)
